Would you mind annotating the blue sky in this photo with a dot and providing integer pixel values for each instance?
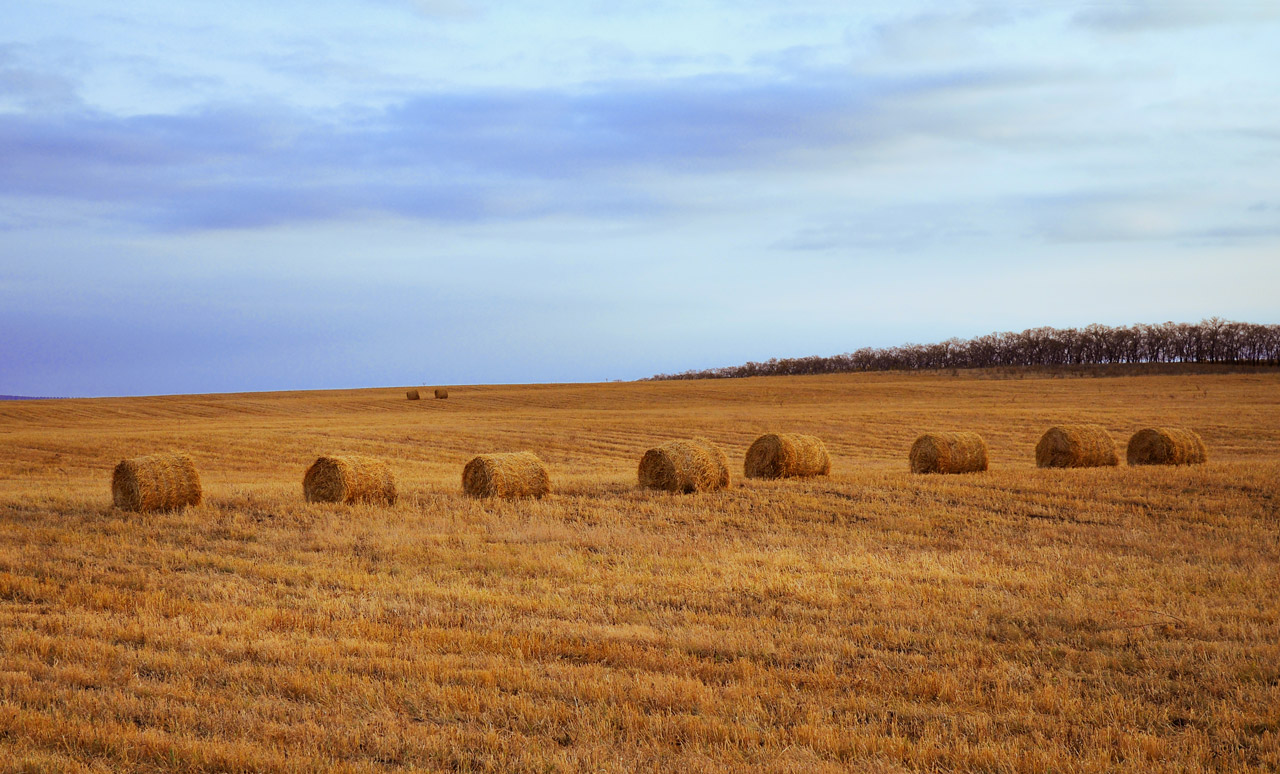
(207, 197)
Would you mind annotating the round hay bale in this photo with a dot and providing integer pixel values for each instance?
(413, 395)
(160, 482)
(441, 393)
(787, 455)
(1166, 446)
(349, 479)
(949, 453)
(694, 465)
(1076, 446)
(507, 475)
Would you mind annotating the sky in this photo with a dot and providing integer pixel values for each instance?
(237, 196)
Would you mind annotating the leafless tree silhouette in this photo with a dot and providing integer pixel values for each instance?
(1210, 341)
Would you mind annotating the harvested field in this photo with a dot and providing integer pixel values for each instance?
(1022, 620)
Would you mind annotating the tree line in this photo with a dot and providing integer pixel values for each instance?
(1210, 341)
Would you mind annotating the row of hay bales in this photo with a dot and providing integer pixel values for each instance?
(355, 478)
(1063, 446)
(165, 482)
(698, 465)
(415, 394)
(170, 481)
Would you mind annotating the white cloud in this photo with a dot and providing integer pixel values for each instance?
(455, 9)
(1129, 16)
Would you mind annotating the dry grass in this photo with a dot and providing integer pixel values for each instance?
(1021, 620)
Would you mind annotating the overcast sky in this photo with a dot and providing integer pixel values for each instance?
(223, 196)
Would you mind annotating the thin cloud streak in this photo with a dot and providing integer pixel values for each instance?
(458, 156)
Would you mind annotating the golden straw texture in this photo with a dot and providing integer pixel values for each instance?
(695, 465)
(1166, 446)
(949, 453)
(413, 395)
(442, 393)
(160, 482)
(348, 479)
(508, 475)
(787, 455)
(1076, 446)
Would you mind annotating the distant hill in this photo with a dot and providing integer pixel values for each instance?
(23, 397)
(1214, 342)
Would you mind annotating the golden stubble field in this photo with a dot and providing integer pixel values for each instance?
(1123, 619)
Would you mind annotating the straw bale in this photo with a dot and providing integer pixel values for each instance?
(413, 395)
(507, 475)
(348, 479)
(1166, 446)
(1076, 446)
(949, 453)
(160, 482)
(694, 465)
(441, 393)
(786, 455)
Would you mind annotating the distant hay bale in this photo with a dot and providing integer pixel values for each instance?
(695, 465)
(160, 482)
(413, 395)
(949, 453)
(441, 393)
(349, 479)
(1166, 446)
(1076, 446)
(787, 455)
(506, 475)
